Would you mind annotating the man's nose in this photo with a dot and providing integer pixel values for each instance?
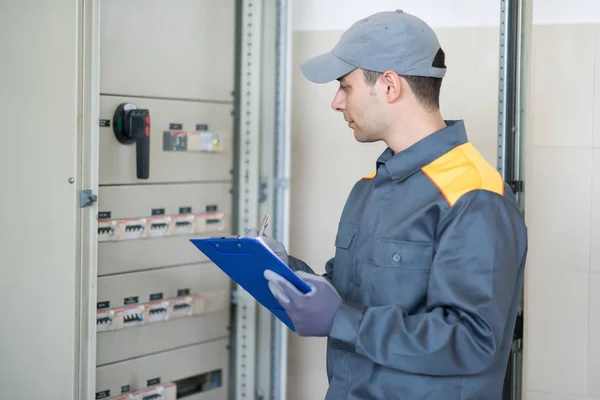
(338, 103)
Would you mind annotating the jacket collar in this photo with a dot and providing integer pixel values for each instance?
(425, 151)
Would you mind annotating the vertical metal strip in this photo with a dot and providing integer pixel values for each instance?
(507, 88)
(248, 184)
(265, 319)
(515, 48)
(524, 50)
(282, 174)
(88, 136)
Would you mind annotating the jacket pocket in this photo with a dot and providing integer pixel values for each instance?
(345, 234)
(400, 254)
(343, 241)
(398, 273)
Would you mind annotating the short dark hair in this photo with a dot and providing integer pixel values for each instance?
(426, 90)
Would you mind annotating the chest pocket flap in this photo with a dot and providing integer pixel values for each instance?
(399, 254)
(344, 235)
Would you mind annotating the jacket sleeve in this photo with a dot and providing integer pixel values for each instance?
(473, 287)
(296, 264)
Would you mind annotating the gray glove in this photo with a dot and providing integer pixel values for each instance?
(312, 313)
(275, 246)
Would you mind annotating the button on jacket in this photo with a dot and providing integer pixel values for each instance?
(429, 261)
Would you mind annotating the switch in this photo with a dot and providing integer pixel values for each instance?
(182, 307)
(157, 311)
(106, 231)
(129, 316)
(159, 226)
(210, 222)
(131, 229)
(132, 125)
(104, 320)
(183, 224)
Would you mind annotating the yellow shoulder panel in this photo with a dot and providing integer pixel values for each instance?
(462, 170)
(370, 176)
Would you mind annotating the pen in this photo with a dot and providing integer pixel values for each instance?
(263, 225)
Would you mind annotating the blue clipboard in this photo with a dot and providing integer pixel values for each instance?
(244, 260)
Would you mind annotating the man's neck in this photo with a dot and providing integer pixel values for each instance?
(411, 131)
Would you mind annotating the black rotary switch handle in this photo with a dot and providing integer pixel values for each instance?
(130, 125)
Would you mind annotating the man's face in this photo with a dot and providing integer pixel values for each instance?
(361, 107)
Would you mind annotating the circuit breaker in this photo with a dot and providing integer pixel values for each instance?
(165, 175)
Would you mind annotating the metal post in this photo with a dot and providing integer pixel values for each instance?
(282, 173)
(515, 39)
(247, 185)
(89, 97)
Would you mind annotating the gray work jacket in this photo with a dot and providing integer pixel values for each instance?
(429, 261)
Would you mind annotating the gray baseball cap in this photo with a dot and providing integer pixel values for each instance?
(390, 40)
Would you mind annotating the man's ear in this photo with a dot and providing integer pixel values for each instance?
(392, 86)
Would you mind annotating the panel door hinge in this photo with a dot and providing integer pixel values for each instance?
(518, 332)
(517, 186)
(87, 198)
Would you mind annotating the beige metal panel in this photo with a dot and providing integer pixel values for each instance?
(117, 257)
(138, 202)
(40, 43)
(113, 346)
(197, 279)
(118, 161)
(169, 366)
(175, 48)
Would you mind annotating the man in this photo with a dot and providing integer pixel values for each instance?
(420, 300)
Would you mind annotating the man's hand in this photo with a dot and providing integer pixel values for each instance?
(312, 313)
(277, 247)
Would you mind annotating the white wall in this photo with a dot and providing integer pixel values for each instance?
(340, 14)
(562, 327)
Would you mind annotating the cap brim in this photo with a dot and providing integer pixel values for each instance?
(325, 68)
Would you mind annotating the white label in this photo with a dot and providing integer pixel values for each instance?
(203, 141)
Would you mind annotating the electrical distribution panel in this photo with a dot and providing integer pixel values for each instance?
(166, 159)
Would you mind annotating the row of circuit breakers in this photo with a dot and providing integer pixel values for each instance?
(163, 309)
(165, 176)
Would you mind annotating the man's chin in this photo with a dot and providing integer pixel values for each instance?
(361, 136)
(364, 140)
